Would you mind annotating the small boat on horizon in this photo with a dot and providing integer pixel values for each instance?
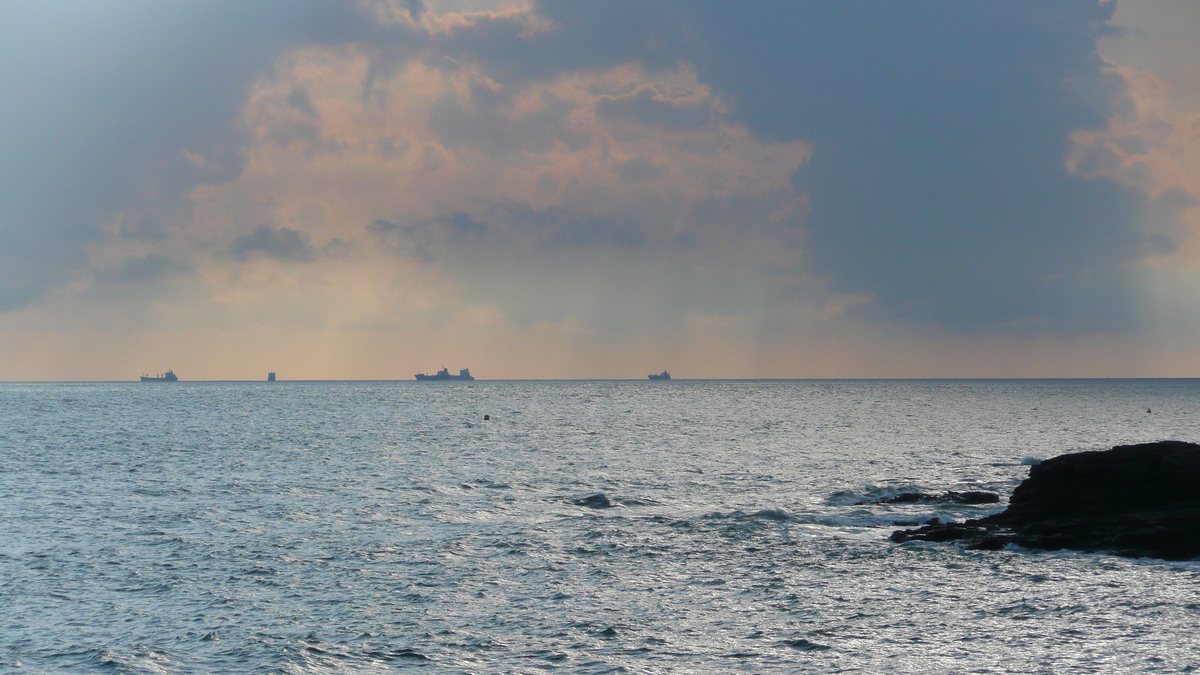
(463, 375)
(664, 375)
(168, 376)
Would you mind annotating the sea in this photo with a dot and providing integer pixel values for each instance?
(564, 527)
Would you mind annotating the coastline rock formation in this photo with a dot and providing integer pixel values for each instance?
(951, 497)
(1134, 500)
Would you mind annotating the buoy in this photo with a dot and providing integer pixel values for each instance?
(488, 417)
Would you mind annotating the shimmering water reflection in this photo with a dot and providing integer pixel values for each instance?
(377, 527)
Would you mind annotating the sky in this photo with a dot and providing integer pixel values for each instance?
(576, 189)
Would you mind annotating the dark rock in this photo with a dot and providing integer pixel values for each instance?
(805, 645)
(971, 497)
(970, 530)
(1133, 500)
(974, 497)
(596, 501)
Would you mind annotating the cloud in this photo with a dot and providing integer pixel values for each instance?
(637, 169)
(283, 244)
(142, 269)
(102, 101)
(937, 185)
(510, 224)
(776, 168)
(516, 189)
(648, 106)
(1152, 147)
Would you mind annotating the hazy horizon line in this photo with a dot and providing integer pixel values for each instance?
(623, 379)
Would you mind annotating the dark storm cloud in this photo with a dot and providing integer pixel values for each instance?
(284, 244)
(548, 230)
(486, 124)
(100, 101)
(140, 269)
(637, 169)
(939, 128)
(427, 240)
(559, 229)
(455, 225)
(299, 100)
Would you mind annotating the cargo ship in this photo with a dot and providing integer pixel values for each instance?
(444, 374)
(168, 376)
(664, 375)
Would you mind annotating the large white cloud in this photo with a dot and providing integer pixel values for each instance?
(503, 195)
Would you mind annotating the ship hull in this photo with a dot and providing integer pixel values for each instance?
(168, 376)
(463, 375)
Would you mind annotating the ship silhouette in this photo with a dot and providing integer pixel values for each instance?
(444, 374)
(168, 376)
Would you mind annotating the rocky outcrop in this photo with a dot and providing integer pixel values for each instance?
(1134, 500)
(596, 501)
(951, 497)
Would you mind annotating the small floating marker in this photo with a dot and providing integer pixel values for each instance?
(487, 417)
(1147, 410)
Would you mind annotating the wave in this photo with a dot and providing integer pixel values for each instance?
(869, 493)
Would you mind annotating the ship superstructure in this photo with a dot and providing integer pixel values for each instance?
(444, 374)
(168, 376)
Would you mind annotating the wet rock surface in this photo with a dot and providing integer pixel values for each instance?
(1133, 500)
(951, 497)
(596, 501)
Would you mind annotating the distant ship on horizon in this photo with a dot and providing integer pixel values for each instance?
(664, 375)
(444, 374)
(168, 376)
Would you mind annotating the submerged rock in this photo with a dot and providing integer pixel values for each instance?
(1134, 500)
(804, 645)
(951, 497)
(596, 501)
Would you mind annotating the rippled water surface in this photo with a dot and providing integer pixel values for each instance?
(587, 527)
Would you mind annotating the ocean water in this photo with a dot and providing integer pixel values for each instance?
(586, 527)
